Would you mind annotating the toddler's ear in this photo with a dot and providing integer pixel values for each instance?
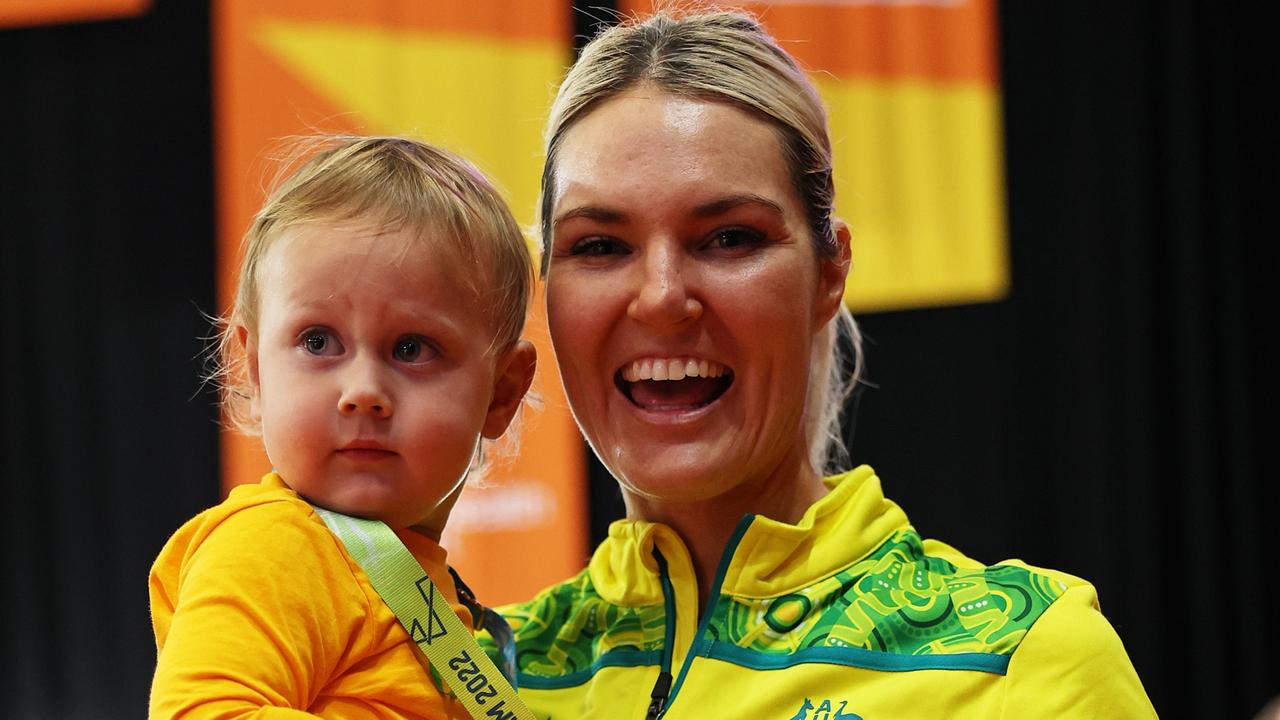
(512, 377)
(249, 344)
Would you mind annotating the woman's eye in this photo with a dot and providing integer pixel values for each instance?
(412, 348)
(321, 342)
(597, 246)
(735, 238)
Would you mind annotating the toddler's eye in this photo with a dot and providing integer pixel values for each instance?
(413, 348)
(320, 342)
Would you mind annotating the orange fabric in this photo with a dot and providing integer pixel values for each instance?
(259, 612)
(15, 13)
(484, 18)
(952, 42)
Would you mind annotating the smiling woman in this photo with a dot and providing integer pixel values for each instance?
(699, 253)
(694, 277)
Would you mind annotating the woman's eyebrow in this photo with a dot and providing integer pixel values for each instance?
(719, 206)
(590, 212)
(723, 205)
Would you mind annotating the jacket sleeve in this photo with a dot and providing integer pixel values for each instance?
(258, 614)
(1071, 664)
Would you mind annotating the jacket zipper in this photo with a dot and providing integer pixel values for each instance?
(658, 697)
(694, 648)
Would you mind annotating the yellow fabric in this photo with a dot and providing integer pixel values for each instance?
(259, 612)
(1070, 664)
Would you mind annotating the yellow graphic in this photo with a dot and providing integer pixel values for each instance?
(913, 94)
(919, 179)
(480, 97)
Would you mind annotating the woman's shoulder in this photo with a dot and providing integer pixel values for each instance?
(1062, 598)
(1071, 662)
(1061, 652)
(551, 608)
(600, 626)
(913, 603)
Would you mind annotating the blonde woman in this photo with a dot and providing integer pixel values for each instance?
(694, 276)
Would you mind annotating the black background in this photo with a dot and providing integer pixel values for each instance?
(1107, 419)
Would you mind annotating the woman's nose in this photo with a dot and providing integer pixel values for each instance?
(663, 297)
(363, 391)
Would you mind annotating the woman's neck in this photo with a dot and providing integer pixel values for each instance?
(706, 526)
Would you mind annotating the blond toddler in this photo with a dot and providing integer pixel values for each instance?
(375, 345)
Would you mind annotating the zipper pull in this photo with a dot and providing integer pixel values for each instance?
(659, 695)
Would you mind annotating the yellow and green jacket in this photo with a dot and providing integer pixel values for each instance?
(846, 615)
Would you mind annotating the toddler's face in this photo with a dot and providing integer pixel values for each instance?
(370, 370)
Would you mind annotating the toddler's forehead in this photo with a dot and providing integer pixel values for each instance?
(397, 241)
(353, 243)
(461, 261)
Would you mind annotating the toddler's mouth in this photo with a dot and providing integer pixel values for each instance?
(679, 383)
(365, 451)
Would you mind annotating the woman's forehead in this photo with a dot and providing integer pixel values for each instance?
(646, 144)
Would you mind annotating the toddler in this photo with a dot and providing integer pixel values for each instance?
(374, 343)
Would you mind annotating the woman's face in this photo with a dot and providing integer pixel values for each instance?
(683, 295)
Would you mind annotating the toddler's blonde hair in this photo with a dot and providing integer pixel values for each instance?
(393, 183)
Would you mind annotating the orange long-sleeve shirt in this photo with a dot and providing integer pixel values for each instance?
(259, 612)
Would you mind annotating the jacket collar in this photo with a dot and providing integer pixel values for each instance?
(771, 558)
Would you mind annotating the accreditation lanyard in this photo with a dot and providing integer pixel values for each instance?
(428, 618)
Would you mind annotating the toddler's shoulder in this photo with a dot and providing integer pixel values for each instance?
(258, 514)
(263, 528)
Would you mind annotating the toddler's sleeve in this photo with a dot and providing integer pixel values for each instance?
(263, 611)
(1072, 664)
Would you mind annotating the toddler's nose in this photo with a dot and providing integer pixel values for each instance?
(363, 393)
(354, 404)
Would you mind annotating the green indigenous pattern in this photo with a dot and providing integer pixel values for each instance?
(569, 630)
(894, 609)
(896, 600)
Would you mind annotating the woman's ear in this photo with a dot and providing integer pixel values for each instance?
(513, 375)
(249, 344)
(833, 271)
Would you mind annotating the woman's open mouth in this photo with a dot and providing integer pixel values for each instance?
(673, 383)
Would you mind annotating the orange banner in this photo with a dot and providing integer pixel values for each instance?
(912, 91)
(475, 78)
(14, 13)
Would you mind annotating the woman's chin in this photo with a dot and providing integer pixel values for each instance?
(689, 473)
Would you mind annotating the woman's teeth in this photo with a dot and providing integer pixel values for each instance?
(671, 369)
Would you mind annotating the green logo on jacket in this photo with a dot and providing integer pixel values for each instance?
(825, 711)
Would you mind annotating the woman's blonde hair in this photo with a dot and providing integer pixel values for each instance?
(727, 56)
(389, 182)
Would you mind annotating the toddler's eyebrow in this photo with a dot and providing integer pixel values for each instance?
(310, 302)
